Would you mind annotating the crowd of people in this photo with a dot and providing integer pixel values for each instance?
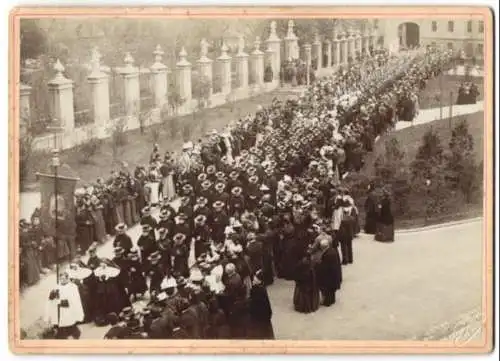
(467, 93)
(261, 200)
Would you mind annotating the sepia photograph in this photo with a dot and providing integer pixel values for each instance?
(302, 177)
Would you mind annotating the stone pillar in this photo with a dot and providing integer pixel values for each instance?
(242, 65)
(24, 108)
(224, 61)
(257, 64)
(318, 51)
(61, 94)
(24, 101)
(351, 46)
(159, 72)
(291, 43)
(328, 46)
(269, 61)
(205, 64)
(99, 83)
(132, 90)
(308, 59)
(337, 45)
(184, 81)
(274, 44)
(346, 48)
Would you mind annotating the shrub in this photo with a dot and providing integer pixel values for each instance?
(429, 156)
(268, 74)
(25, 156)
(118, 136)
(461, 168)
(91, 147)
(155, 134)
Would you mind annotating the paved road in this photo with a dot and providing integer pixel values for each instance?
(384, 270)
(392, 291)
(432, 114)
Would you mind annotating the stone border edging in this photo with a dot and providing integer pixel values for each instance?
(439, 225)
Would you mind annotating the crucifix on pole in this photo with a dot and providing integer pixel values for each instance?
(55, 164)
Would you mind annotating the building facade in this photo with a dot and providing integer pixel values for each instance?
(461, 35)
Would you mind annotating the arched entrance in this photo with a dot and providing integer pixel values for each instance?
(409, 35)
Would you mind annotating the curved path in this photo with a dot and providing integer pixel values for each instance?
(391, 292)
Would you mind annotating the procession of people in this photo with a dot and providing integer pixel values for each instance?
(261, 200)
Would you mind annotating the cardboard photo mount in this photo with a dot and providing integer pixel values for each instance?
(20, 346)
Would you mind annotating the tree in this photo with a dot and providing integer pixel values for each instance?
(429, 155)
(90, 147)
(26, 150)
(175, 101)
(118, 136)
(33, 39)
(202, 86)
(391, 162)
(391, 171)
(428, 176)
(461, 167)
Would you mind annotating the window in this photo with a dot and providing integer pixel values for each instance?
(375, 24)
(434, 26)
(469, 50)
(469, 26)
(450, 46)
(480, 50)
(481, 26)
(451, 26)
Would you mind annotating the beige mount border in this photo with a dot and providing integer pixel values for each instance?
(233, 346)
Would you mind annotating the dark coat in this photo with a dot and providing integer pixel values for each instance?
(260, 313)
(327, 270)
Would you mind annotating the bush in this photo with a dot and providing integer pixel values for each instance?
(90, 148)
(155, 134)
(429, 156)
(268, 74)
(118, 136)
(25, 155)
(461, 168)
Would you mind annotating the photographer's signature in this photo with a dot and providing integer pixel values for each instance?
(464, 334)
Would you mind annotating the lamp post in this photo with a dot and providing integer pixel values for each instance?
(428, 188)
(55, 164)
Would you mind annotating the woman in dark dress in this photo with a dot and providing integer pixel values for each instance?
(371, 211)
(261, 327)
(385, 231)
(306, 293)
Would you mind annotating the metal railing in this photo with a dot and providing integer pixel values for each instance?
(83, 117)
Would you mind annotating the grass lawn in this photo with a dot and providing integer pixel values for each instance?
(139, 147)
(449, 83)
(410, 139)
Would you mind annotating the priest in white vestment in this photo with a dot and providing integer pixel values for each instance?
(65, 310)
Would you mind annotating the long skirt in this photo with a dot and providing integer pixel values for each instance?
(267, 269)
(153, 192)
(305, 298)
(127, 212)
(66, 248)
(371, 223)
(168, 187)
(133, 209)
(100, 226)
(260, 330)
(119, 213)
(385, 232)
(32, 264)
(85, 236)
